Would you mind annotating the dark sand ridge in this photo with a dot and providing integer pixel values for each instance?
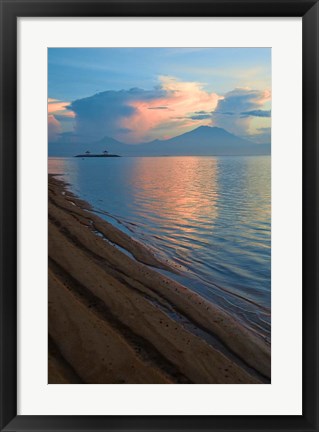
(113, 319)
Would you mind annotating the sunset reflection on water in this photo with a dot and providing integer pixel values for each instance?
(174, 191)
(57, 165)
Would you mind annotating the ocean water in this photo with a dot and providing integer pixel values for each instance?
(209, 216)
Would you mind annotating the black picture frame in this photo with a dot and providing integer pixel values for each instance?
(10, 11)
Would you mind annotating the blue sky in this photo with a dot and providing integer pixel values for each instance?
(226, 87)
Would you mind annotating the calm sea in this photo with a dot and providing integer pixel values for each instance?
(209, 216)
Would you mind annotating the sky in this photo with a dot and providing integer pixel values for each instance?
(140, 94)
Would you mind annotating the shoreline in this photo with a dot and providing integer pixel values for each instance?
(116, 319)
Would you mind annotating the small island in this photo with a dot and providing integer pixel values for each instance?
(103, 155)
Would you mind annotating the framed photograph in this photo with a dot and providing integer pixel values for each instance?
(159, 222)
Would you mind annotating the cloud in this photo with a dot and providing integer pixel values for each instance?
(256, 113)
(262, 135)
(171, 108)
(59, 107)
(224, 113)
(182, 97)
(235, 112)
(242, 99)
(64, 118)
(201, 116)
(54, 128)
(158, 108)
(136, 115)
(201, 112)
(60, 118)
(104, 114)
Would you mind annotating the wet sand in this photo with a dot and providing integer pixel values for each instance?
(113, 318)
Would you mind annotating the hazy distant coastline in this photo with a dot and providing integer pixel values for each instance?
(202, 141)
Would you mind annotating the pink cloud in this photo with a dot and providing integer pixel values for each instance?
(170, 111)
(57, 108)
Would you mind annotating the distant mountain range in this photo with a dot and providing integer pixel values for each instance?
(202, 141)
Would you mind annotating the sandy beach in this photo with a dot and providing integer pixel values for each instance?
(114, 318)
